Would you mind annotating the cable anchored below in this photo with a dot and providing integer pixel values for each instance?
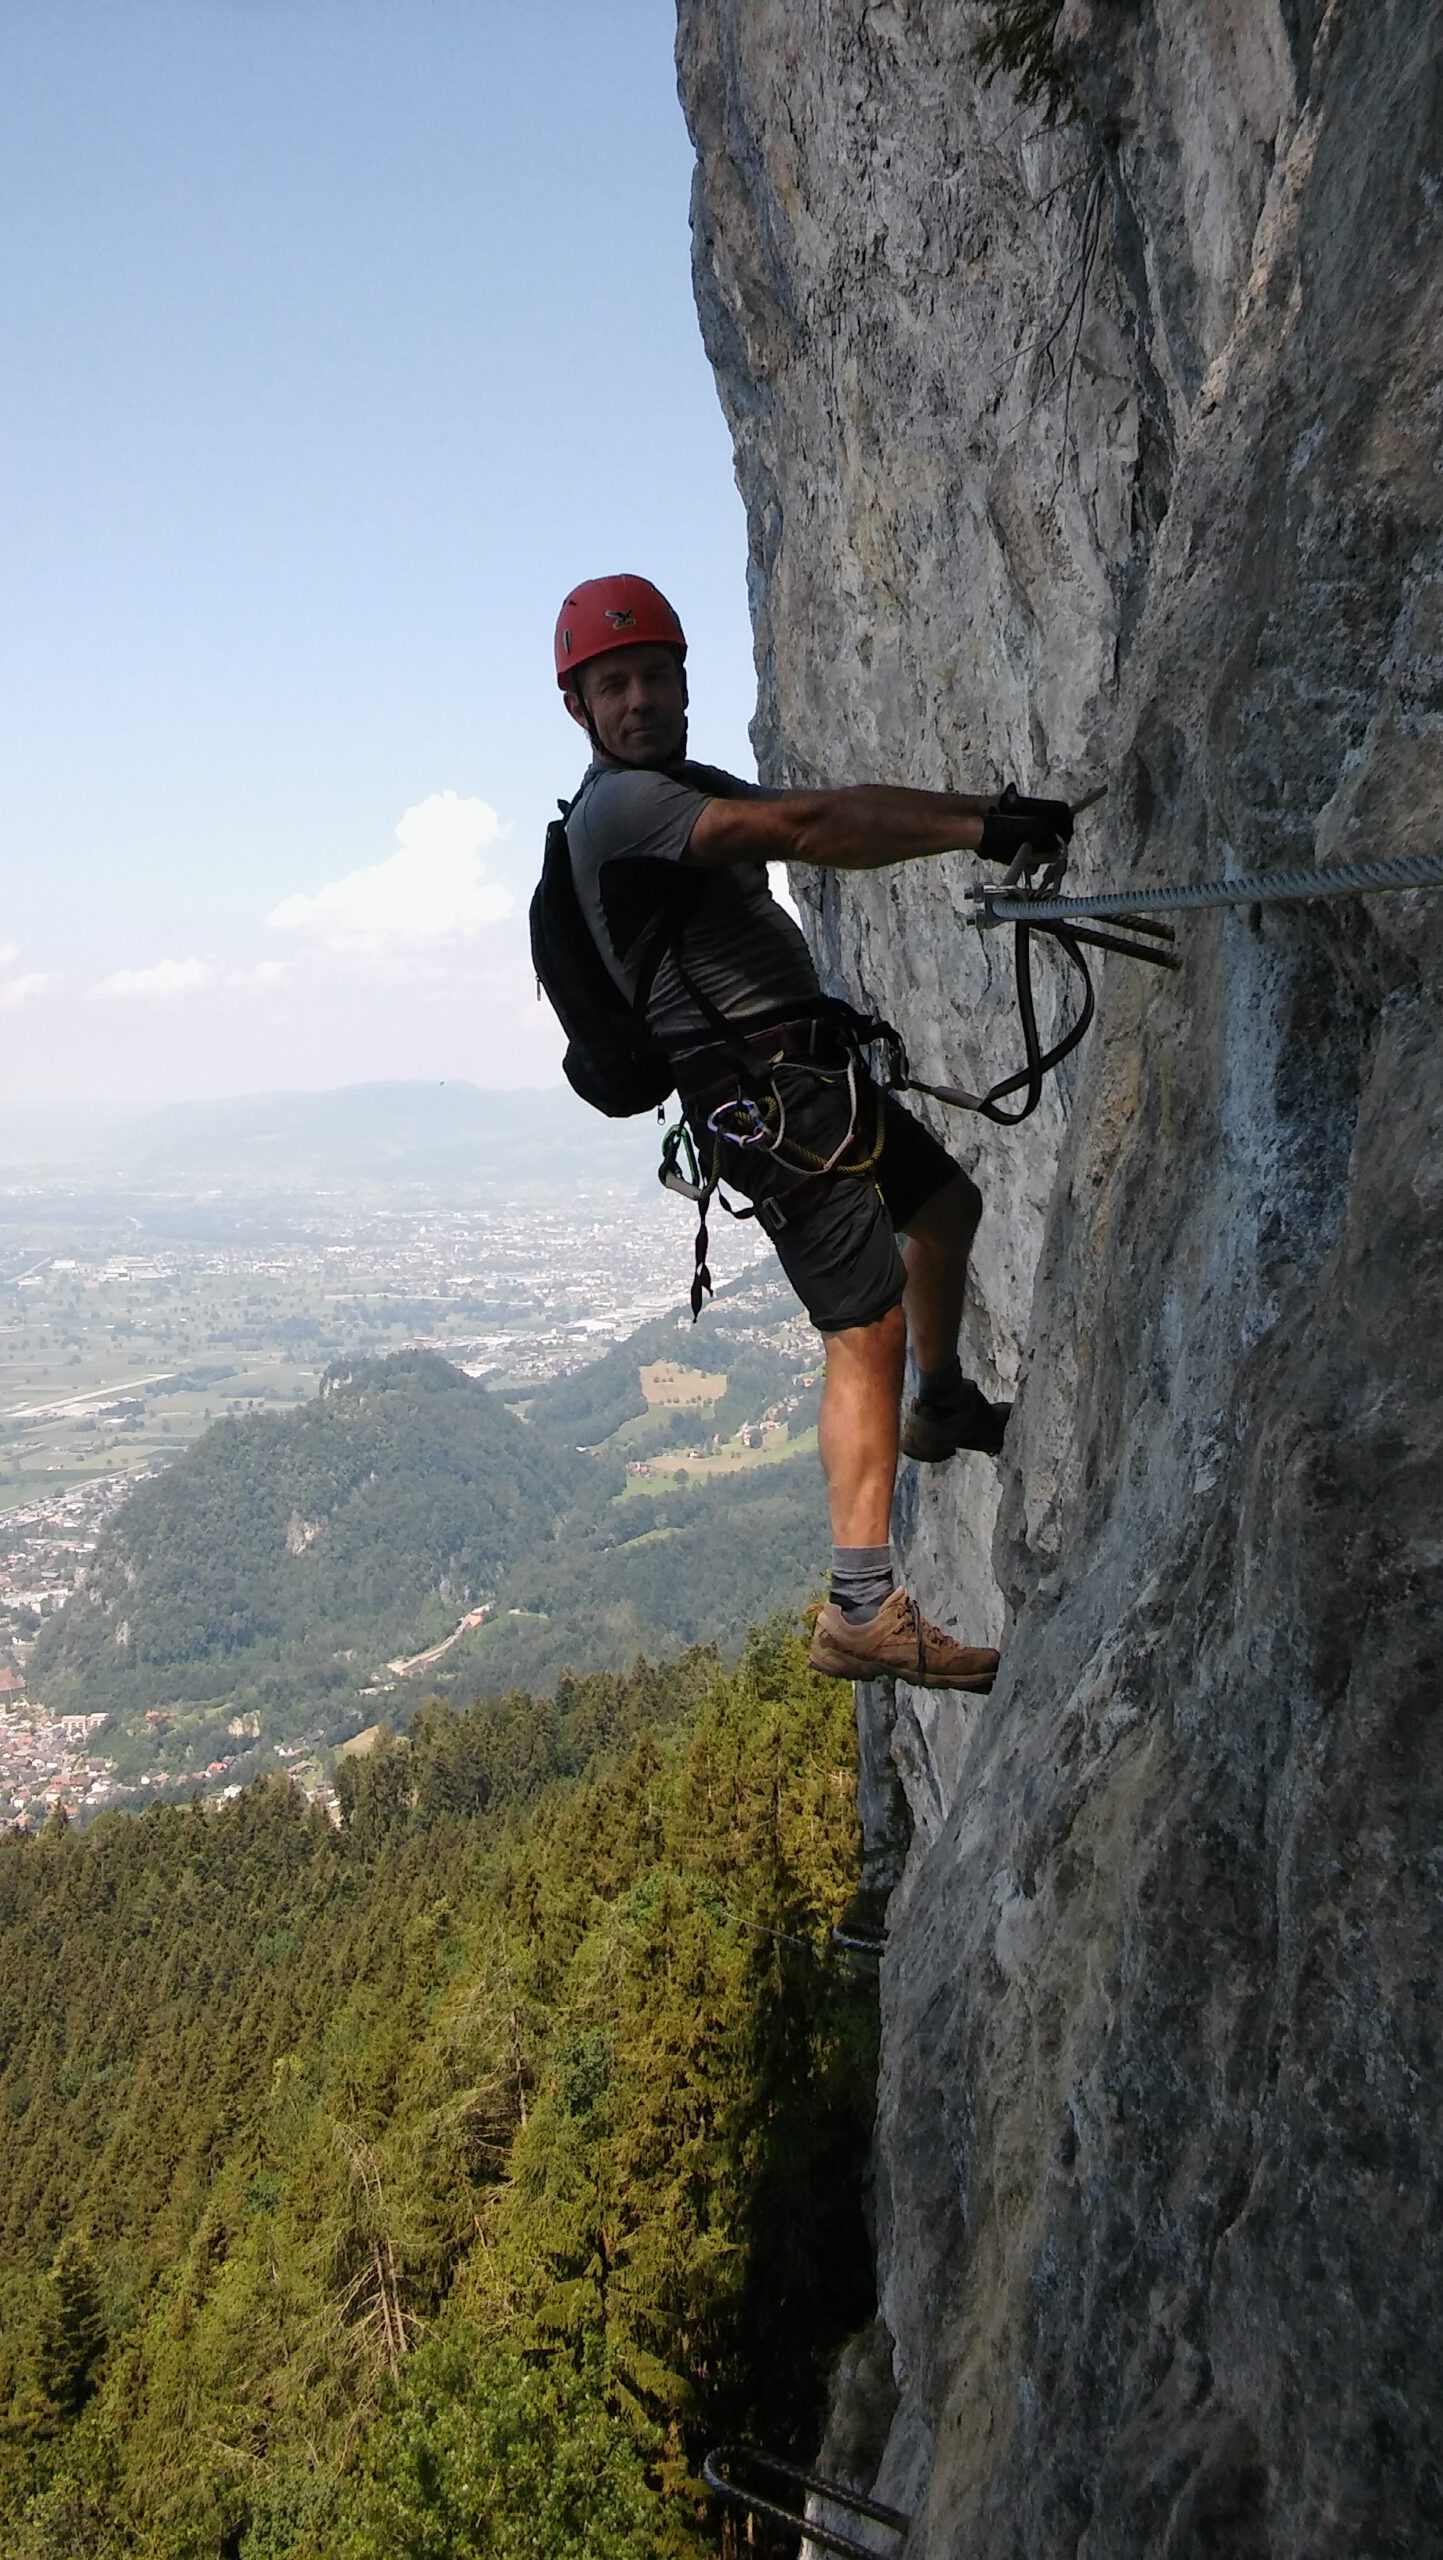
(716, 2472)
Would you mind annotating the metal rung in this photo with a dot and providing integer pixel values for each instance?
(1161, 958)
(1134, 923)
(850, 2501)
(857, 1946)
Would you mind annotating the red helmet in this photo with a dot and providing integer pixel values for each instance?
(612, 613)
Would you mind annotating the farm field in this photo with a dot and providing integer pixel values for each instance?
(109, 1365)
(131, 1320)
(735, 1457)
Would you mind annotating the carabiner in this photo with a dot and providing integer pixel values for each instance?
(757, 1130)
(678, 1169)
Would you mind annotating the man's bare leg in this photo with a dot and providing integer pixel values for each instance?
(935, 1250)
(950, 1412)
(858, 1434)
(858, 1425)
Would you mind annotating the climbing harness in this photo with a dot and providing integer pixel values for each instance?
(716, 2470)
(747, 1110)
(1039, 1061)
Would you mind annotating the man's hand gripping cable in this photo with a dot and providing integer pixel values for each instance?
(1033, 875)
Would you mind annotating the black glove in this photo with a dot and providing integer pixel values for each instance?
(1045, 826)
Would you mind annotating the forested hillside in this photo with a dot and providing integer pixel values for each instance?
(266, 1582)
(655, 1573)
(737, 1339)
(439, 2184)
(279, 1550)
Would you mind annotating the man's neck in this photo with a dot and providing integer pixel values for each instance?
(672, 765)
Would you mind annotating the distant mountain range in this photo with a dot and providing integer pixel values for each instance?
(390, 1134)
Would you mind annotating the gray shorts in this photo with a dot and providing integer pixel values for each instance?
(836, 1234)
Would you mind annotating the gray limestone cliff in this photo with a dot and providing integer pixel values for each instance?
(1112, 452)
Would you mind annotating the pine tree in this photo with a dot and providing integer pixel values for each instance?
(72, 2338)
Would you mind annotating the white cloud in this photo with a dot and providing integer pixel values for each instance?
(433, 889)
(165, 978)
(9, 953)
(18, 991)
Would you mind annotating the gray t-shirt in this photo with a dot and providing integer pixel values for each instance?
(628, 831)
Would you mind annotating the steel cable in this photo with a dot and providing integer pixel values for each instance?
(1401, 871)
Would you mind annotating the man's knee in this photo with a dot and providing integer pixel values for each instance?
(950, 1217)
(877, 1345)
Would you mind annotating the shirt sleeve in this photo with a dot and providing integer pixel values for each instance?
(640, 816)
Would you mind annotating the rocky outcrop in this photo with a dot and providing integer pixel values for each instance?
(1114, 452)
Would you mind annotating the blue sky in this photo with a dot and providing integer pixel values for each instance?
(342, 335)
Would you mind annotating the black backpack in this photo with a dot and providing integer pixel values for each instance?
(611, 1058)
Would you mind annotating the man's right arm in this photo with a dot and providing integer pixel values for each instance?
(860, 828)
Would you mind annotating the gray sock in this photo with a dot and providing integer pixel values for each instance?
(942, 1386)
(862, 1578)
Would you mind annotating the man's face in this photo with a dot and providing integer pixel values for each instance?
(637, 701)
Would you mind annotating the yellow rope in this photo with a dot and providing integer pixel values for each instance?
(792, 1153)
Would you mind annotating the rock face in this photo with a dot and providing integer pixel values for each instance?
(1114, 452)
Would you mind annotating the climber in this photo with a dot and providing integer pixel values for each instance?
(653, 836)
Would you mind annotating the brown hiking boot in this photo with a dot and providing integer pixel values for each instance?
(933, 1432)
(898, 1644)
